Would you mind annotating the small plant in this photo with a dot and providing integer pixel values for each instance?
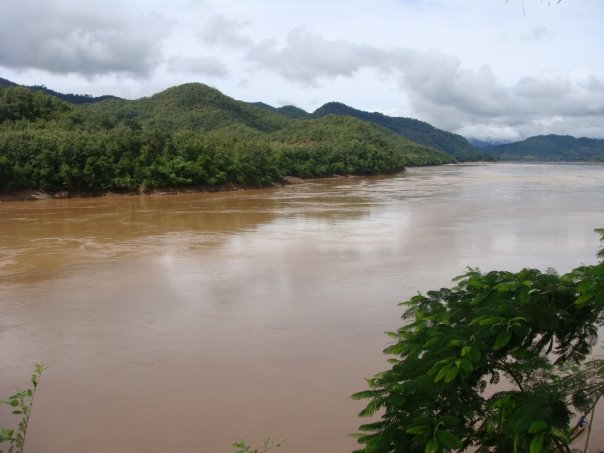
(242, 447)
(21, 404)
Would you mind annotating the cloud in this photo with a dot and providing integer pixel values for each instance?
(222, 31)
(441, 91)
(85, 38)
(307, 57)
(209, 66)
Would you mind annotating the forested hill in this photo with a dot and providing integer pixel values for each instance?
(71, 98)
(187, 136)
(415, 130)
(412, 129)
(546, 148)
(192, 106)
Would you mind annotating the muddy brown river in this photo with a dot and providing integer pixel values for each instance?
(182, 323)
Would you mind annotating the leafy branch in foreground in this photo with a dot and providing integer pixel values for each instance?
(269, 444)
(530, 328)
(20, 403)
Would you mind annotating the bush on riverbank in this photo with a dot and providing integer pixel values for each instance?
(534, 329)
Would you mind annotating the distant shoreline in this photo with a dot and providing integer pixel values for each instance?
(37, 195)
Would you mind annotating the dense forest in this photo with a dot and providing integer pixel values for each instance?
(190, 135)
(67, 97)
(544, 148)
(412, 129)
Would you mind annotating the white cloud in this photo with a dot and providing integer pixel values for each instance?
(85, 38)
(479, 68)
(209, 66)
(226, 32)
(470, 101)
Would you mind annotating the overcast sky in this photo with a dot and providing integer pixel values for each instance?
(481, 68)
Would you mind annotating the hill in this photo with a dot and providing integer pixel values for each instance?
(547, 148)
(71, 98)
(189, 135)
(290, 111)
(192, 106)
(337, 144)
(415, 130)
(6, 83)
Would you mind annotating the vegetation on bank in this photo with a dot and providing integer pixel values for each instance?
(190, 135)
(20, 404)
(532, 329)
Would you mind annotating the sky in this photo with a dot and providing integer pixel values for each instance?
(486, 69)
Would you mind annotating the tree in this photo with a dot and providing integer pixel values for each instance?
(531, 328)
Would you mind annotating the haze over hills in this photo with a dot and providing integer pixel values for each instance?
(544, 148)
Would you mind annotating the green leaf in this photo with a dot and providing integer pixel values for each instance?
(502, 339)
(452, 373)
(465, 365)
(537, 426)
(431, 446)
(536, 444)
(418, 429)
(448, 439)
(441, 374)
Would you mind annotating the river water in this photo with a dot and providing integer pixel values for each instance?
(182, 323)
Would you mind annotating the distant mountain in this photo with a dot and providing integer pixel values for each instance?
(545, 148)
(482, 144)
(415, 130)
(71, 98)
(412, 129)
(6, 83)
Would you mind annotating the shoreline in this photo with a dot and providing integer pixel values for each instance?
(38, 195)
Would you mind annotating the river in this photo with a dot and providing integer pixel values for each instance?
(182, 323)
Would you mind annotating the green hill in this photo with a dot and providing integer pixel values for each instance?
(71, 98)
(4, 83)
(192, 106)
(336, 144)
(190, 135)
(546, 148)
(415, 130)
(290, 111)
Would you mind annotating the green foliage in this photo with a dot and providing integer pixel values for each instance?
(545, 148)
(191, 135)
(534, 329)
(343, 145)
(242, 447)
(418, 131)
(20, 404)
(17, 103)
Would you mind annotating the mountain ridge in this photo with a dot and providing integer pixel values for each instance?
(191, 135)
(550, 148)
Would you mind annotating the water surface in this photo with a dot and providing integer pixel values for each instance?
(182, 323)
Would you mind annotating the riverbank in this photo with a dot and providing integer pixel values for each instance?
(37, 195)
